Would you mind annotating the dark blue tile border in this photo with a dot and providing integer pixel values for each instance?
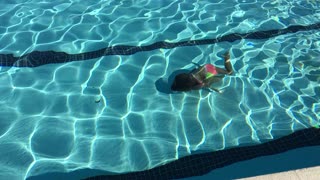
(200, 164)
(38, 58)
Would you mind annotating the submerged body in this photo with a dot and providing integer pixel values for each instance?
(202, 77)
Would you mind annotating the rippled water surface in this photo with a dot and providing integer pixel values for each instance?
(109, 114)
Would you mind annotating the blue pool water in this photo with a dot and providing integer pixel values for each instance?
(108, 114)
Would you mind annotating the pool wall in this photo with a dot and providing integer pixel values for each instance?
(201, 164)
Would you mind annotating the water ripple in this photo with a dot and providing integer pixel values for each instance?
(108, 114)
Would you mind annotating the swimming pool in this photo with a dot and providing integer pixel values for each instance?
(111, 111)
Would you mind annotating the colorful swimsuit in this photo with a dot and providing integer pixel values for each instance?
(211, 70)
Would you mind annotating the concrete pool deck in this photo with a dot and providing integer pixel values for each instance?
(312, 173)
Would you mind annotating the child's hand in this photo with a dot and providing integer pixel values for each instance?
(216, 90)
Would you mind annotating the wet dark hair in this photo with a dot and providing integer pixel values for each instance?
(183, 82)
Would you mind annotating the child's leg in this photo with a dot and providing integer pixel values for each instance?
(227, 65)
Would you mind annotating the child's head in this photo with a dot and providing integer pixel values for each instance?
(183, 82)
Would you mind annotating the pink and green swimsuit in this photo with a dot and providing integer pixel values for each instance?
(211, 70)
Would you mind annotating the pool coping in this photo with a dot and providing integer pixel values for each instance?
(312, 173)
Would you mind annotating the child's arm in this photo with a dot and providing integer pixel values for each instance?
(213, 79)
(198, 65)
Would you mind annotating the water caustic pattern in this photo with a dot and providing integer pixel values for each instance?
(109, 114)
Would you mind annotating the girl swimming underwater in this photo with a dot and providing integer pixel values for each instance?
(202, 77)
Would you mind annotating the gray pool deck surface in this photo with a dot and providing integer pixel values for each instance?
(312, 173)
